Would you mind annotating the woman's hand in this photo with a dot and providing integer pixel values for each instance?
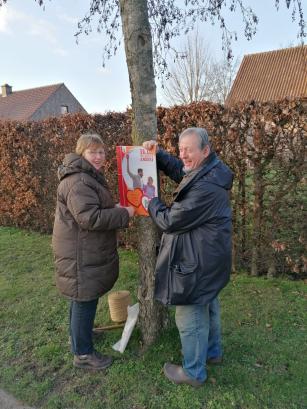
(150, 144)
(130, 209)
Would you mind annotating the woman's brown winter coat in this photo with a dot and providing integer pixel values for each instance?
(84, 235)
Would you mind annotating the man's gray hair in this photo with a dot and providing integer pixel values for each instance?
(201, 133)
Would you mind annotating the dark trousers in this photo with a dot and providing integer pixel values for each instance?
(81, 322)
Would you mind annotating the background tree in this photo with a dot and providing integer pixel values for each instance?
(149, 28)
(190, 73)
(222, 75)
(195, 74)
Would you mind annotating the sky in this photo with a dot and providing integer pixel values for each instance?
(38, 48)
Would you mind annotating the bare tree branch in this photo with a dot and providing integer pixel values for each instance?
(196, 76)
(169, 19)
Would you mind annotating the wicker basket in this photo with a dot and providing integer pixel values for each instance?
(118, 303)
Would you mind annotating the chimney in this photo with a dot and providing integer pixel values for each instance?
(6, 90)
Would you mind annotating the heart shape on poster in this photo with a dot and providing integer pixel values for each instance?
(134, 197)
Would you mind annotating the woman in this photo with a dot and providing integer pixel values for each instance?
(84, 243)
(149, 190)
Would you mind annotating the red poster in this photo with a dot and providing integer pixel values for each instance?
(137, 177)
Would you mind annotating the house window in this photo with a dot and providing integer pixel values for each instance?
(64, 109)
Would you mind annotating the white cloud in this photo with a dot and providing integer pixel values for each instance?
(4, 16)
(43, 30)
(47, 32)
(8, 16)
(40, 28)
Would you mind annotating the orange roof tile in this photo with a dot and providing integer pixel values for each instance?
(271, 76)
(21, 105)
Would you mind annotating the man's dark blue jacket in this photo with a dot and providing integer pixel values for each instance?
(194, 260)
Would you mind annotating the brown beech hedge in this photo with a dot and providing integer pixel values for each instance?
(262, 143)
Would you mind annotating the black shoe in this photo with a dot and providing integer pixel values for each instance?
(92, 361)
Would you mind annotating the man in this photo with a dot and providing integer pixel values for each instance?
(194, 260)
(137, 179)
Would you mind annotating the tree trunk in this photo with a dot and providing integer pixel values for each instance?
(257, 218)
(138, 47)
(271, 266)
(243, 209)
(235, 206)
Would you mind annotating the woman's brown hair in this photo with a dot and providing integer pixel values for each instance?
(86, 140)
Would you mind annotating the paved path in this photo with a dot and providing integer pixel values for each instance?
(8, 402)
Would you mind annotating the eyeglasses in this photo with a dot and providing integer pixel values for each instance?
(96, 153)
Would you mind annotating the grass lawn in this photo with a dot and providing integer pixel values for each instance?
(264, 335)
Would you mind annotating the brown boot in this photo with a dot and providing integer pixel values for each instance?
(176, 374)
(215, 361)
(93, 361)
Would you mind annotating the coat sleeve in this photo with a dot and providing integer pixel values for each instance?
(200, 206)
(170, 165)
(84, 205)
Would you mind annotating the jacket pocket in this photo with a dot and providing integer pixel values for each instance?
(183, 278)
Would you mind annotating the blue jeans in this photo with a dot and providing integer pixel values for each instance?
(200, 334)
(81, 322)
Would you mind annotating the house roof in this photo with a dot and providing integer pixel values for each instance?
(271, 76)
(21, 105)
